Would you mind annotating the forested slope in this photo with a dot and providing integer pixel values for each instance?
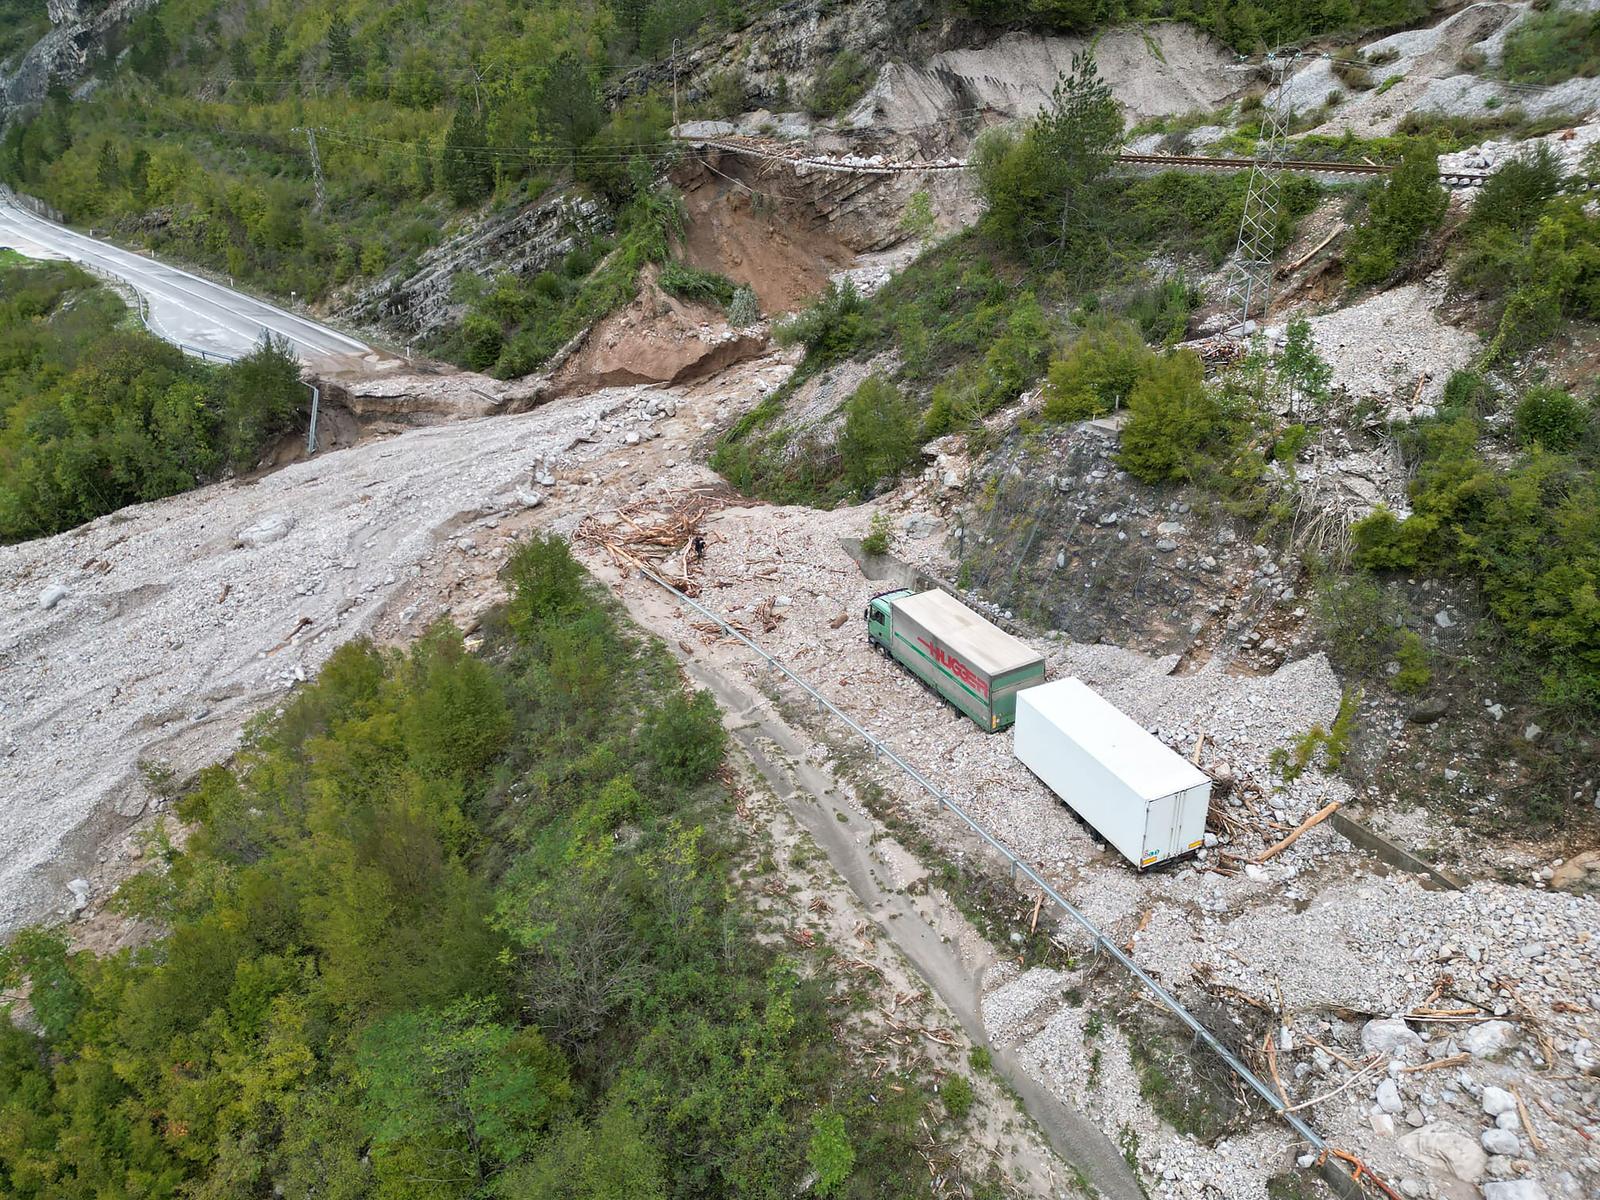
(455, 925)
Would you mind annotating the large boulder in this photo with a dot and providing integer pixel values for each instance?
(1446, 1152)
(273, 527)
(1515, 1189)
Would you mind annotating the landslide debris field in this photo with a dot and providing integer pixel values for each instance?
(1418, 975)
(224, 598)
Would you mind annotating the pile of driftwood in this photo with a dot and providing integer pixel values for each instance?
(661, 534)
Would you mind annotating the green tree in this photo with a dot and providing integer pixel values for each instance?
(685, 739)
(1171, 415)
(1303, 373)
(879, 439)
(1047, 192)
(149, 48)
(261, 396)
(341, 51)
(108, 170)
(1408, 207)
(1554, 419)
(569, 109)
(464, 1091)
(466, 165)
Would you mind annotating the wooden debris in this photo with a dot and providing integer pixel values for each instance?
(1285, 271)
(1361, 1073)
(1455, 1060)
(303, 622)
(1316, 818)
(1361, 1173)
(1033, 924)
(657, 533)
(223, 595)
(838, 622)
(1527, 1121)
(766, 613)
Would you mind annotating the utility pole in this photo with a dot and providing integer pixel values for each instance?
(1250, 277)
(674, 86)
(316, 166)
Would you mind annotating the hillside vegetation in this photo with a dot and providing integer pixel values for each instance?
(95, 413)
(194, 145)
(455, 925)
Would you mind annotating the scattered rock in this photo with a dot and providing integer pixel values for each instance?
(80, 890)
(1428, 710)
(1443, 619)
(528, 498)
(1166, 545)
(1388, 1096)
(1489, 1038)
(1515, 1189)
(53, 595)
(1388, 1035)
(1497, 1101)
(921, 525)
(1499, 1141)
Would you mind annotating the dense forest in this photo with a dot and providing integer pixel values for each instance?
(456, 924)
(96, 413)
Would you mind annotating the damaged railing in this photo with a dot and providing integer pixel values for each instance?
(1326, 1154)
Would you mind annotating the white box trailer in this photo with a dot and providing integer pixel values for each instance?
(1144, 799)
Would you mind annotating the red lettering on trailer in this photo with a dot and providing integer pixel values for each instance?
(956, 667)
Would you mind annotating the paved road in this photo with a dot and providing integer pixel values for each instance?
(183, 308)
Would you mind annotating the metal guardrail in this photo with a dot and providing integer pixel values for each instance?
(882, 750)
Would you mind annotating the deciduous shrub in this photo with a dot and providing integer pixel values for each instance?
(1098, 372)
(1554, 419)
(880, 435)
(1409, 205)
(684, 738)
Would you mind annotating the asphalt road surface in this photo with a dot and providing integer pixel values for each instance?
(183, 308)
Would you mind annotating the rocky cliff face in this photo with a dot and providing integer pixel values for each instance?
(525, 242)
(78, 35)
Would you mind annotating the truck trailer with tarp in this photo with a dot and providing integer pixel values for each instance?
(972, 663)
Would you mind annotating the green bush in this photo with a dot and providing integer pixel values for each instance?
(1171, 415)
(690, 283)
(1526, 534)
(839, 85)
(880, 436)
(830, 327)
(1098, 372)
(957, 1095)
(1415, 673)
(830, 1153)
(1552, 418)
(95, 415)
(684, 739)
(1552, 46)
(1409, 205)
(877, 540)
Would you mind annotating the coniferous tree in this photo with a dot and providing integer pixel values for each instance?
(465, 164)
(341, 53)
(569, 110)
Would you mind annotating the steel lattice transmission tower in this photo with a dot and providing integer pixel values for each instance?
(1250, 280)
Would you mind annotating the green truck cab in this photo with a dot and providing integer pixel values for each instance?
(971, 663)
